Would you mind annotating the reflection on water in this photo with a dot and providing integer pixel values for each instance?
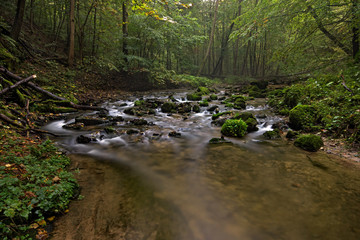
(184, 188)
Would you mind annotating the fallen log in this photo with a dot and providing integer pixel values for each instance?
(17, 84)
(47, 93)
(12, 122)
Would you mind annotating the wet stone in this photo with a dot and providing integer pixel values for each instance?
(139, 122)
(174, 134)
(132, 131)
(84, 139)
(90, 121)
(75, 126)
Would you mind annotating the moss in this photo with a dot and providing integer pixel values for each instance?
(204, 103)
(213, 97)
(196, 108)
(272, 134)
(234, 128)
(292, 134)
(217, 115)
(203, 91)
(168, 107)
(193, 97)
(252, 124)
(218, 140)
(229, 105)
(239, 103)
(302, 117)
(309, 142)
(139, 103)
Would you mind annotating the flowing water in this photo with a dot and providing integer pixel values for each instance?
(158, 187)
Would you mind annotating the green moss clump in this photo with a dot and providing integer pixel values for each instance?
(168, 107)
(213, 97)
(139, 103)
(196, 108)
(302, 117)
(272, 134)
(217, 115)
(292, 134)
(252, 124)
(309, 142)
(204, 103)
(193, 97)
(234, 128)
(203, 91)
(239, 103)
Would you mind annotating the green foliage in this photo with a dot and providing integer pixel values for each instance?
(193, 97)
(302, 117)
(234, 128)
(34, 184)
(217, 115)
(272, 134)
(309, 142)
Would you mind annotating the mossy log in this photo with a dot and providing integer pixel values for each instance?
(6, 72)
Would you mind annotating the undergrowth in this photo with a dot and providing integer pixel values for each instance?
(35, 185)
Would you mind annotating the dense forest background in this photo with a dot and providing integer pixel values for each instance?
(232, 38)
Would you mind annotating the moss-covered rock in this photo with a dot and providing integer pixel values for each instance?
(203, 90)
(292, 134)
(302, 117)
(252, 124)
(309, 142)
(168, 107)
(204, 103)
(217, 115)
(234, 128)
(196, 108)
(213, 97)
(239, 103)
(275, 134)
(193, 97)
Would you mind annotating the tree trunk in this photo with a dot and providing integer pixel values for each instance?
(355, 30)
(327, 33)
(32, 16)
(94, 33)
(211, 38)
(16, 29)
(72, 34)
(125, 31)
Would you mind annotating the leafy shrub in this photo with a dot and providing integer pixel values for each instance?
(309, 142)
(33, 183)
(234, 128)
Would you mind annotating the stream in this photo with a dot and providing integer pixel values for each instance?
(149, 185)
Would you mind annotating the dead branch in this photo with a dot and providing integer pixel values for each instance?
(10, 121)
(346, 87)
(47, 93)
(17, 84)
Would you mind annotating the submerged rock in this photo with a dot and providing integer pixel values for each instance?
(218, 140)
(132, 131)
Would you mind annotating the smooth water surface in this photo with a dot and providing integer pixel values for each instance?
(160, 187)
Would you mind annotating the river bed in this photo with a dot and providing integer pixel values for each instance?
(149, 185)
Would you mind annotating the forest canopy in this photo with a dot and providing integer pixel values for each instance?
(248, 38)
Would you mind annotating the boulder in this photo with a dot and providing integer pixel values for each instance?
(309, 142)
